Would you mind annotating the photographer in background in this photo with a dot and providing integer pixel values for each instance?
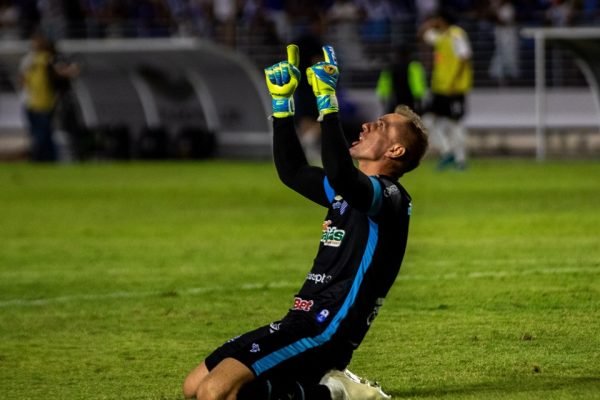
(43, 78)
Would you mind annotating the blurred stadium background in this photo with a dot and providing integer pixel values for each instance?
(183, 78)
(117, 277)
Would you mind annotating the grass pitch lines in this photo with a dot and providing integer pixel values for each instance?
(286, 285)
(143, 294)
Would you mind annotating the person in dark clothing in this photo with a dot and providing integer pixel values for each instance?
(362, 244)
(404, 81)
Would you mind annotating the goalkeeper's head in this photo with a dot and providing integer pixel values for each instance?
(414, 138)
(393, 145)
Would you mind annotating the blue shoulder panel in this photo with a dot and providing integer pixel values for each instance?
(377, 196)
(329, 192)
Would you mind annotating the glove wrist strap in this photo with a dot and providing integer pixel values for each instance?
(327, 104)
(283, 107)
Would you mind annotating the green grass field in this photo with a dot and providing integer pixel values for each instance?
(116, 279)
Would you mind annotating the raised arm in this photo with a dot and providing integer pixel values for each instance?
(345, 179)
(291, 164)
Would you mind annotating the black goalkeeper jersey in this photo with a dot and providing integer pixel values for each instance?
(357, 262)
(362, 242)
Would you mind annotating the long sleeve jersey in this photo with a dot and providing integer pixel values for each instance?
(363, 237)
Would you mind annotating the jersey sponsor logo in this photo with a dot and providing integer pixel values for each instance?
(318, 278)
(302, 305)
(373, 315)
(332, 236)
(340, 204)
(322, 316)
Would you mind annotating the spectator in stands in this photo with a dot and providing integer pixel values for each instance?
(425, 9)
(225, 14)
(74, 19)
(152, 18)
(52, 18)
(275, 12)
(180, 13)
(560, 13)
(29, 17)
(97, 17)
(343, 20)
(259, 28)
(38, 77)
(9, 20)
(451, 81)
(201, 18)
(377, 24)
(505, 61)
(590, 12)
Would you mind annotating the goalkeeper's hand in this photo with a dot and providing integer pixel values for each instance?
(323, 77)
(282, 80)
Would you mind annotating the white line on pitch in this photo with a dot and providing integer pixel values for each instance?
(285, 284)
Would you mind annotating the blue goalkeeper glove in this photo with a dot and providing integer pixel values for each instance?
(282, 80)
(323, 78)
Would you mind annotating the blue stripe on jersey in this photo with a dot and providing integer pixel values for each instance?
(377, 198)
(305, 344)
(329, 192)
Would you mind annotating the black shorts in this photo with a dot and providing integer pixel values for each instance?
(452, 107)
(284, 348)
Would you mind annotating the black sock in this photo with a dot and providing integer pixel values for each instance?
(258, 389)
(317, 392)
(263, 389)
(294, 390)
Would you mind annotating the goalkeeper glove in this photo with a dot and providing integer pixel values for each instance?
(282, 80)
(323, 77)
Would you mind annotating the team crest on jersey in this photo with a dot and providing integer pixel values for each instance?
(340, 204)
(390, 190)
(332, 236)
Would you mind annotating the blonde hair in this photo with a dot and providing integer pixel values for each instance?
(415, 140)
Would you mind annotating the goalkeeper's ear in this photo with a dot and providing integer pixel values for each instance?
(293, 55)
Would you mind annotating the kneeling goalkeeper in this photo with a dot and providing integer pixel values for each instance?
(363, 240)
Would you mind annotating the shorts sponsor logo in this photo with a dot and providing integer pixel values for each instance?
(302, 305)
(255, 348)
(318, 278)
(373, 315)
(274, 327)
(332, 236)
(322, 316)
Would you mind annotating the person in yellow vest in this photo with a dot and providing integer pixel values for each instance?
(38, 75)
(451, 81)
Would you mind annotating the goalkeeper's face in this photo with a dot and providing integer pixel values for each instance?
(380, 140)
